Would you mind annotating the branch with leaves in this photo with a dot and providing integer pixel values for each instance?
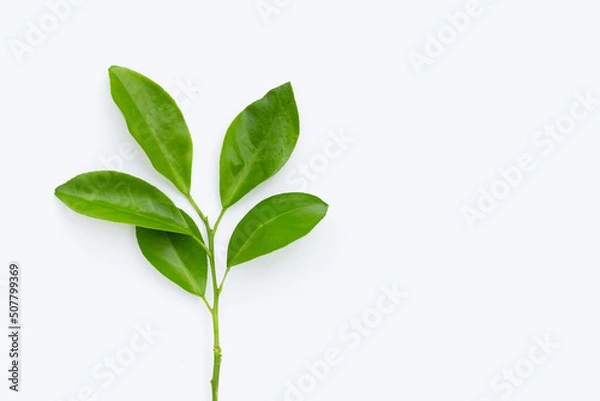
(257, 144)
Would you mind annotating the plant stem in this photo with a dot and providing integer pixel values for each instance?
(219, 219)
(218, 355)
(214, 311)
(206, 303)
(223, 280)
(214, 382)
(203, 245)
(195, 206)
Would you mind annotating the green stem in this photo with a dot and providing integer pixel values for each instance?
(214, 311)
(195, 206)
(223, 280)
(219, 219)
(206, 303)
(203, 245)
(214, 381)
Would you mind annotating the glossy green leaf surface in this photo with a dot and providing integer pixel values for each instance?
(122, 198)
(157, 124)
(274, 223)
(258, 143)
(178, 257)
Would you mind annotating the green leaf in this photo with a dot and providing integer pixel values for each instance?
(179, 257)
(156, 123)
(274, 223)
(122, 198)
(258, 143)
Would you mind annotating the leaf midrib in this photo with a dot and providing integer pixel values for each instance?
(114, 207)
(243, 247)
(251, 161)
(185, 270)
(154, 136)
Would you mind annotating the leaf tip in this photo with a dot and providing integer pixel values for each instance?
(287, 87)
(115, 68)
(58, 191)
(116, 72)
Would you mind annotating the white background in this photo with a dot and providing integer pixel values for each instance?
(422, 146)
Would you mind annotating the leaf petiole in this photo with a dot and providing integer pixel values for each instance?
(197, 209)
(210, 309)
(223, 279)
(203, 245)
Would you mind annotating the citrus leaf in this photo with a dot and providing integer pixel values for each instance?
(157, 124)
(122, 198)
(274, 223)
(258, 143)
